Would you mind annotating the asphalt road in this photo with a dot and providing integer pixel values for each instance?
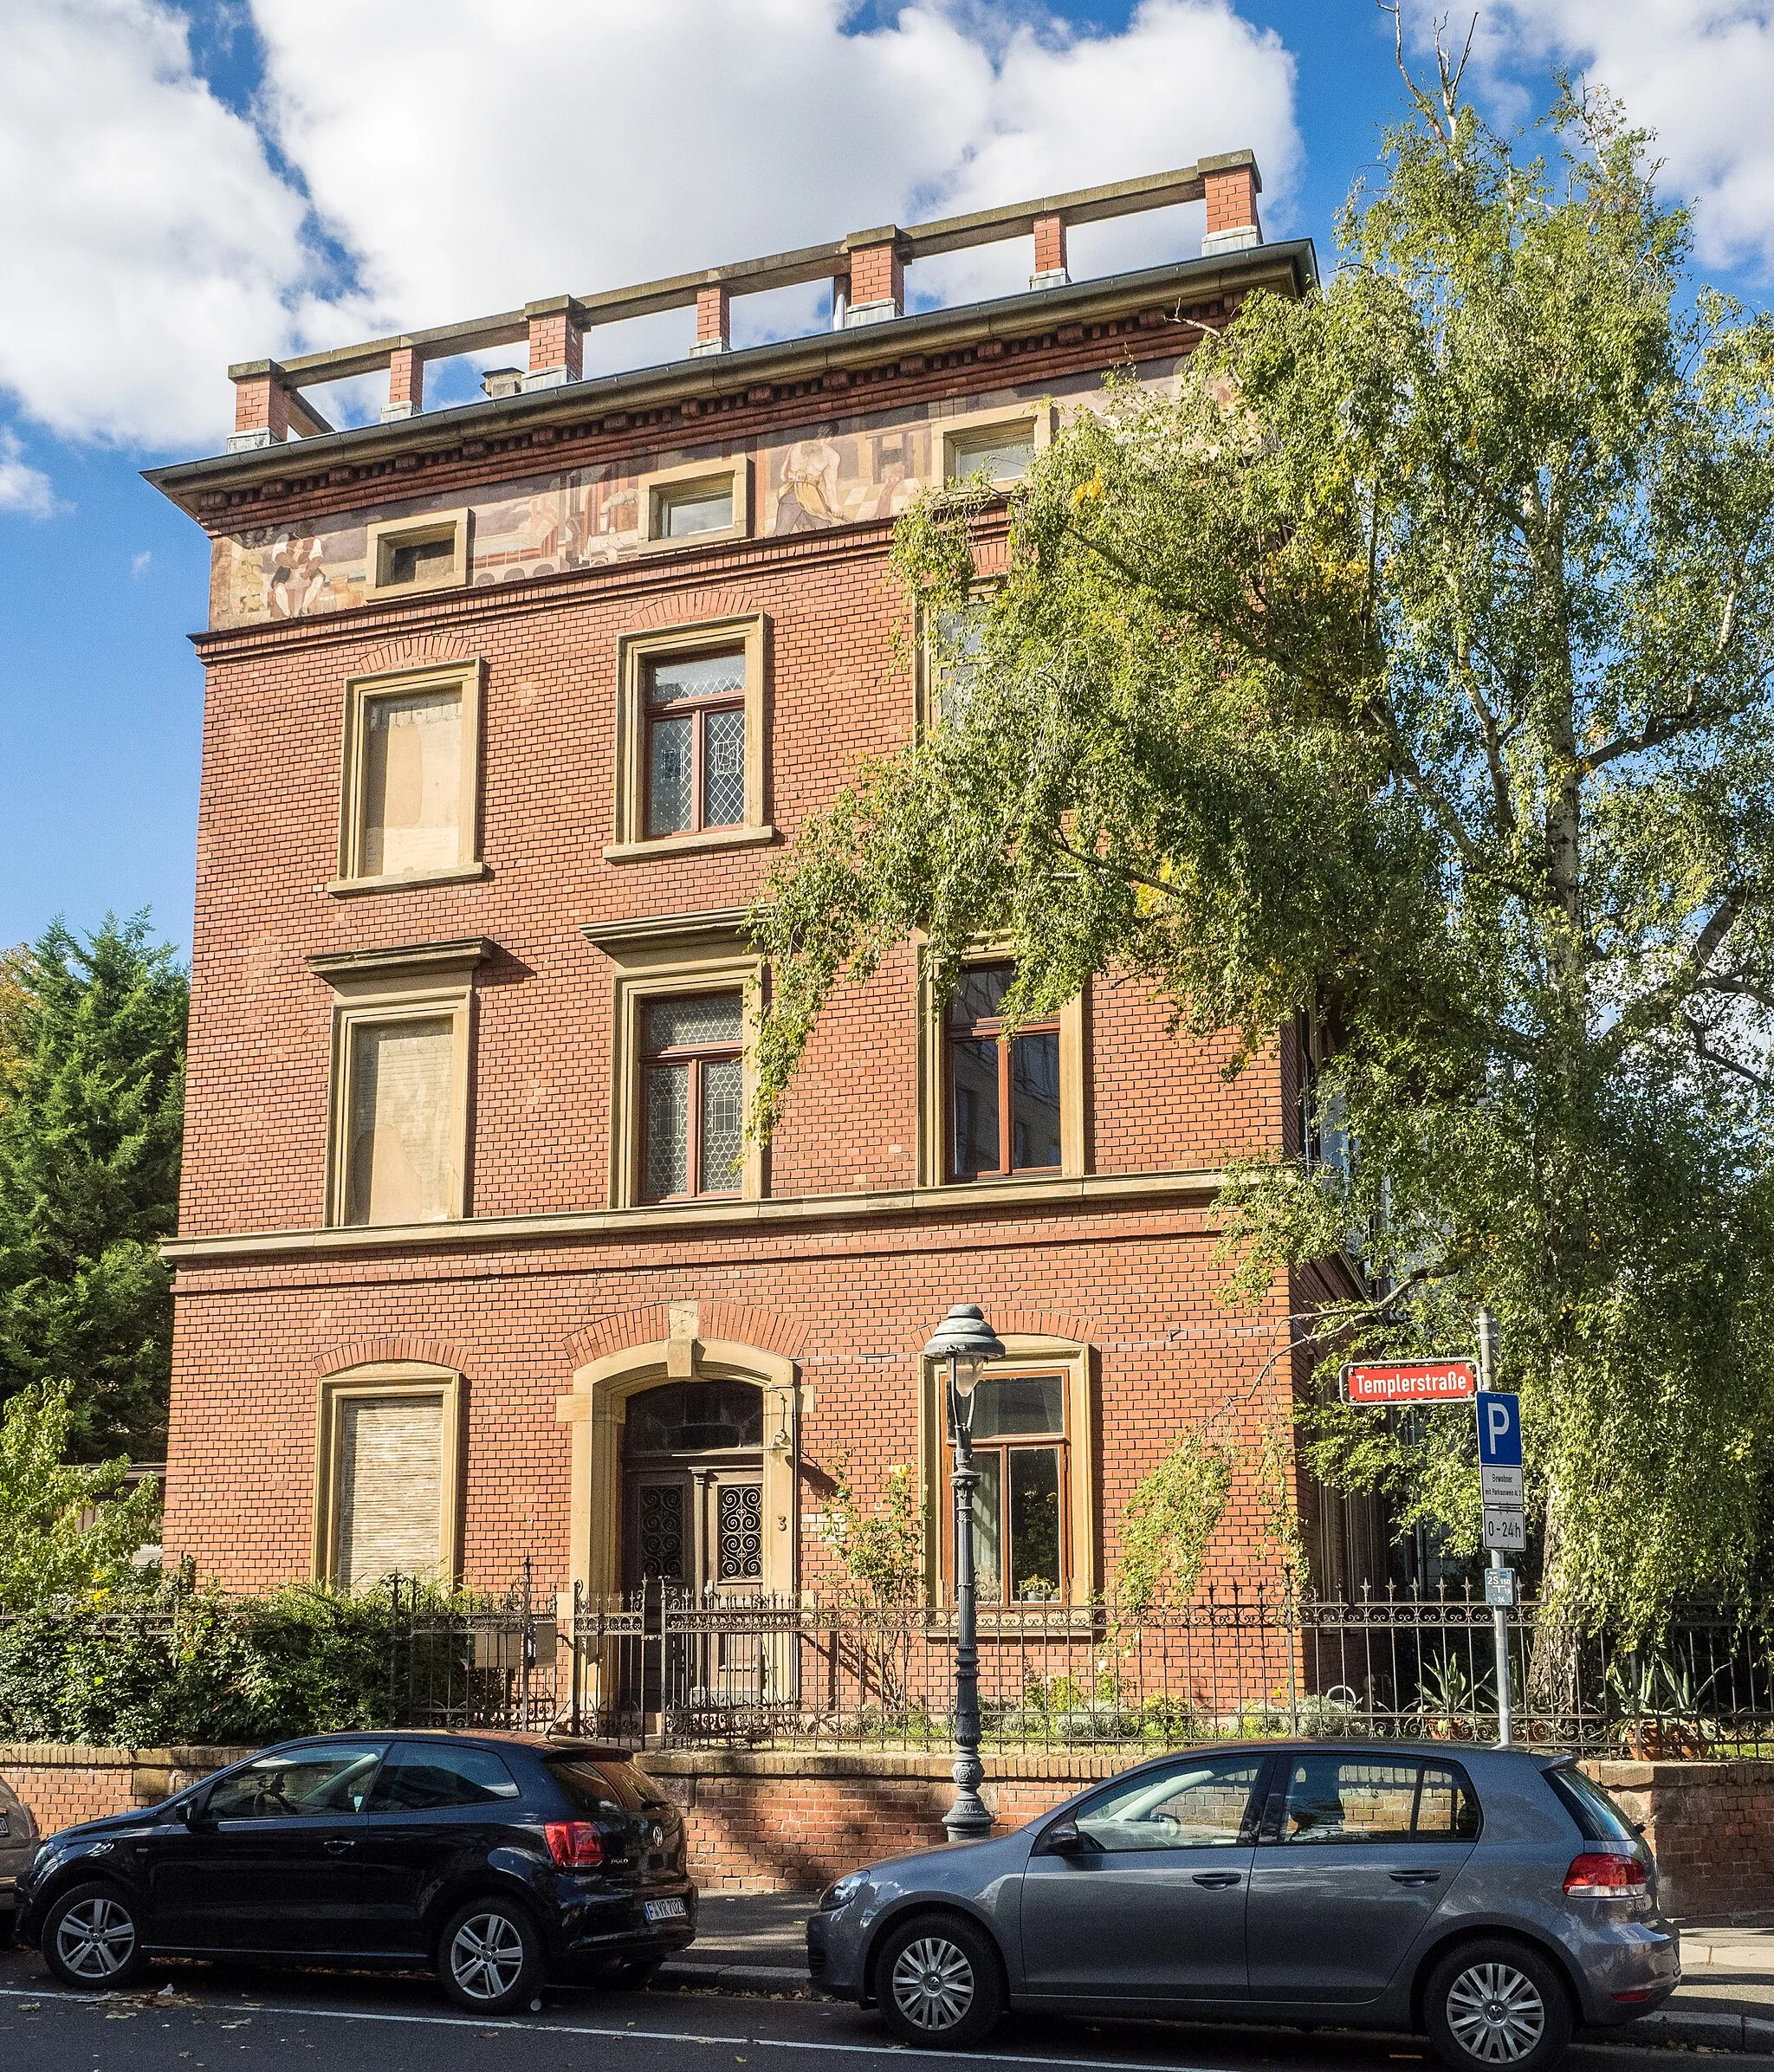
(196, 2019)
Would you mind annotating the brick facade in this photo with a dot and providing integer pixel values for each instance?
(851, 1255)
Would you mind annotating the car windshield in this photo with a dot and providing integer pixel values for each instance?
(1597, 1818)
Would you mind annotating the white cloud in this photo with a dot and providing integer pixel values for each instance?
(24, 488)
(1701, 73)
(470, 155)
(147, 241)
(139, 564)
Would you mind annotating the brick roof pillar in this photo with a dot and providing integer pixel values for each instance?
(714, 320)
(406, 384)
(1050, 254)
(1232, 186)
(876, 276)
(557, 342)
(261, 405)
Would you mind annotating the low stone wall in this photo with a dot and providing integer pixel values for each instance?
(785, 1823)
(1710, 1825)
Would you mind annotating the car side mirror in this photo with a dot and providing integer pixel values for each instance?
(1064, 1839)
(194, 1811)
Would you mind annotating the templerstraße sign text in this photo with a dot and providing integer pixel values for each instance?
(1411, 1382)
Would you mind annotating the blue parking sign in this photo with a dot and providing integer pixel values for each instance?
(1500, 1430)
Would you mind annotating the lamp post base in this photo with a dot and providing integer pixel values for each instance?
(969, 1819)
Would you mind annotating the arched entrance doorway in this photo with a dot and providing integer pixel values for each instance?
(693, 1488)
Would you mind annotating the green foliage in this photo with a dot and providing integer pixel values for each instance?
(170, 1666)
(1408, 669)
(1169, 1520)
(881, 1551)
(45, 1551)
(92, 1051)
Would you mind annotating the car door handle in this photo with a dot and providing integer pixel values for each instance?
(337, 1849)
(1415, 1877)
(1218, 1877)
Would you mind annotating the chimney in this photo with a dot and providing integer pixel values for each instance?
(406, 384)
(261, 405)
(557, 339)
(1050, 254)
(876, 276)
(1231, 184)
(712, 321)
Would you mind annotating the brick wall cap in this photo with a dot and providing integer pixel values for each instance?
(1229, 161)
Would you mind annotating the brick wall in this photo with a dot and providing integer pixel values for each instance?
(1710, 1826)
(762, 1822)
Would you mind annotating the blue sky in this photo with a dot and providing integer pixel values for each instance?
(227, 183)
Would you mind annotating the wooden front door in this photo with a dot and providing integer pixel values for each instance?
(695, 1529)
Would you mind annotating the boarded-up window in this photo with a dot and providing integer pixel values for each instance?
(412, 784)
(401, 1165)
(388, 1501)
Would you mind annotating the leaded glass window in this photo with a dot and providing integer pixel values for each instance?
(692, 1096)
(695, 743)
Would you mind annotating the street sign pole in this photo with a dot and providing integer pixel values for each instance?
(1499, 1612)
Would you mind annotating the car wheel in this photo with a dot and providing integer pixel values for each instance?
(90, 1938)
(489, 1957)
(1498, 2003)
(938, 1982)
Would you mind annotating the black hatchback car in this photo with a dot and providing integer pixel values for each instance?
(499, 1861)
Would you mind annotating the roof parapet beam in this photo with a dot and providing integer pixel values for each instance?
(867, 268)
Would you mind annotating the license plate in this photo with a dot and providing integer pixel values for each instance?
(665, 1910)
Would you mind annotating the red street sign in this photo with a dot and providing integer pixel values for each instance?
(1411, 1382)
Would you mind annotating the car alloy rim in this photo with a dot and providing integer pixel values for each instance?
(933, 1983)
(487, 1956)
(1496, 2013)
(96, 1938)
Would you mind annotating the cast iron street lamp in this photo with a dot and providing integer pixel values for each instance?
(964, 1342)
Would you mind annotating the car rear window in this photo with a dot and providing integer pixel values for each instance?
(603, 1786)
(1597, 1818)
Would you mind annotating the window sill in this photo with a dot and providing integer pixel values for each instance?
(404, 881)
(685, 845)
(723, 535)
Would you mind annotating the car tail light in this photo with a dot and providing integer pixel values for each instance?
(574, 1844)
(1598, 1876)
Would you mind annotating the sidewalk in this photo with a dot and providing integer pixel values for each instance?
(755, 1943)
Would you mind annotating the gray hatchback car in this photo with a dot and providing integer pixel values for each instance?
(1491, 1898)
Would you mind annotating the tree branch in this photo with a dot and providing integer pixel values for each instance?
(1670, 994)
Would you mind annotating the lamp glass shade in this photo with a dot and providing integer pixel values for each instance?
(964, 1368)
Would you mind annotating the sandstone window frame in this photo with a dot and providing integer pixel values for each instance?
(949, 433)
(467, 680)
(1025, 1353)
(417, 1380)
(635, 653)
(384, 537)
(933, 1156)
(382, 988)
(674, 965)
(655, 490)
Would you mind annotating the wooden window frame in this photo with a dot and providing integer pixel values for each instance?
(1025, 1353)
(655, 489)
(636, 654)
(934, 1161)
(467, 680)
(991, 1029)
(410, 1378)
(696, 1056)
(386, 534)
(698, 708)
(646, 972)
(951, 432)
(425, 983)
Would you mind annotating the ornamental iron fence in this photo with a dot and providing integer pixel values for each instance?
(663, 1668)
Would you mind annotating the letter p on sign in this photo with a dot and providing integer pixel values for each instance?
(1500, 1430)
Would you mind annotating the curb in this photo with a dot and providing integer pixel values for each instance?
(712, 1974)
(1750, 2036)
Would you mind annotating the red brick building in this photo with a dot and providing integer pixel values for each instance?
(510, 705)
